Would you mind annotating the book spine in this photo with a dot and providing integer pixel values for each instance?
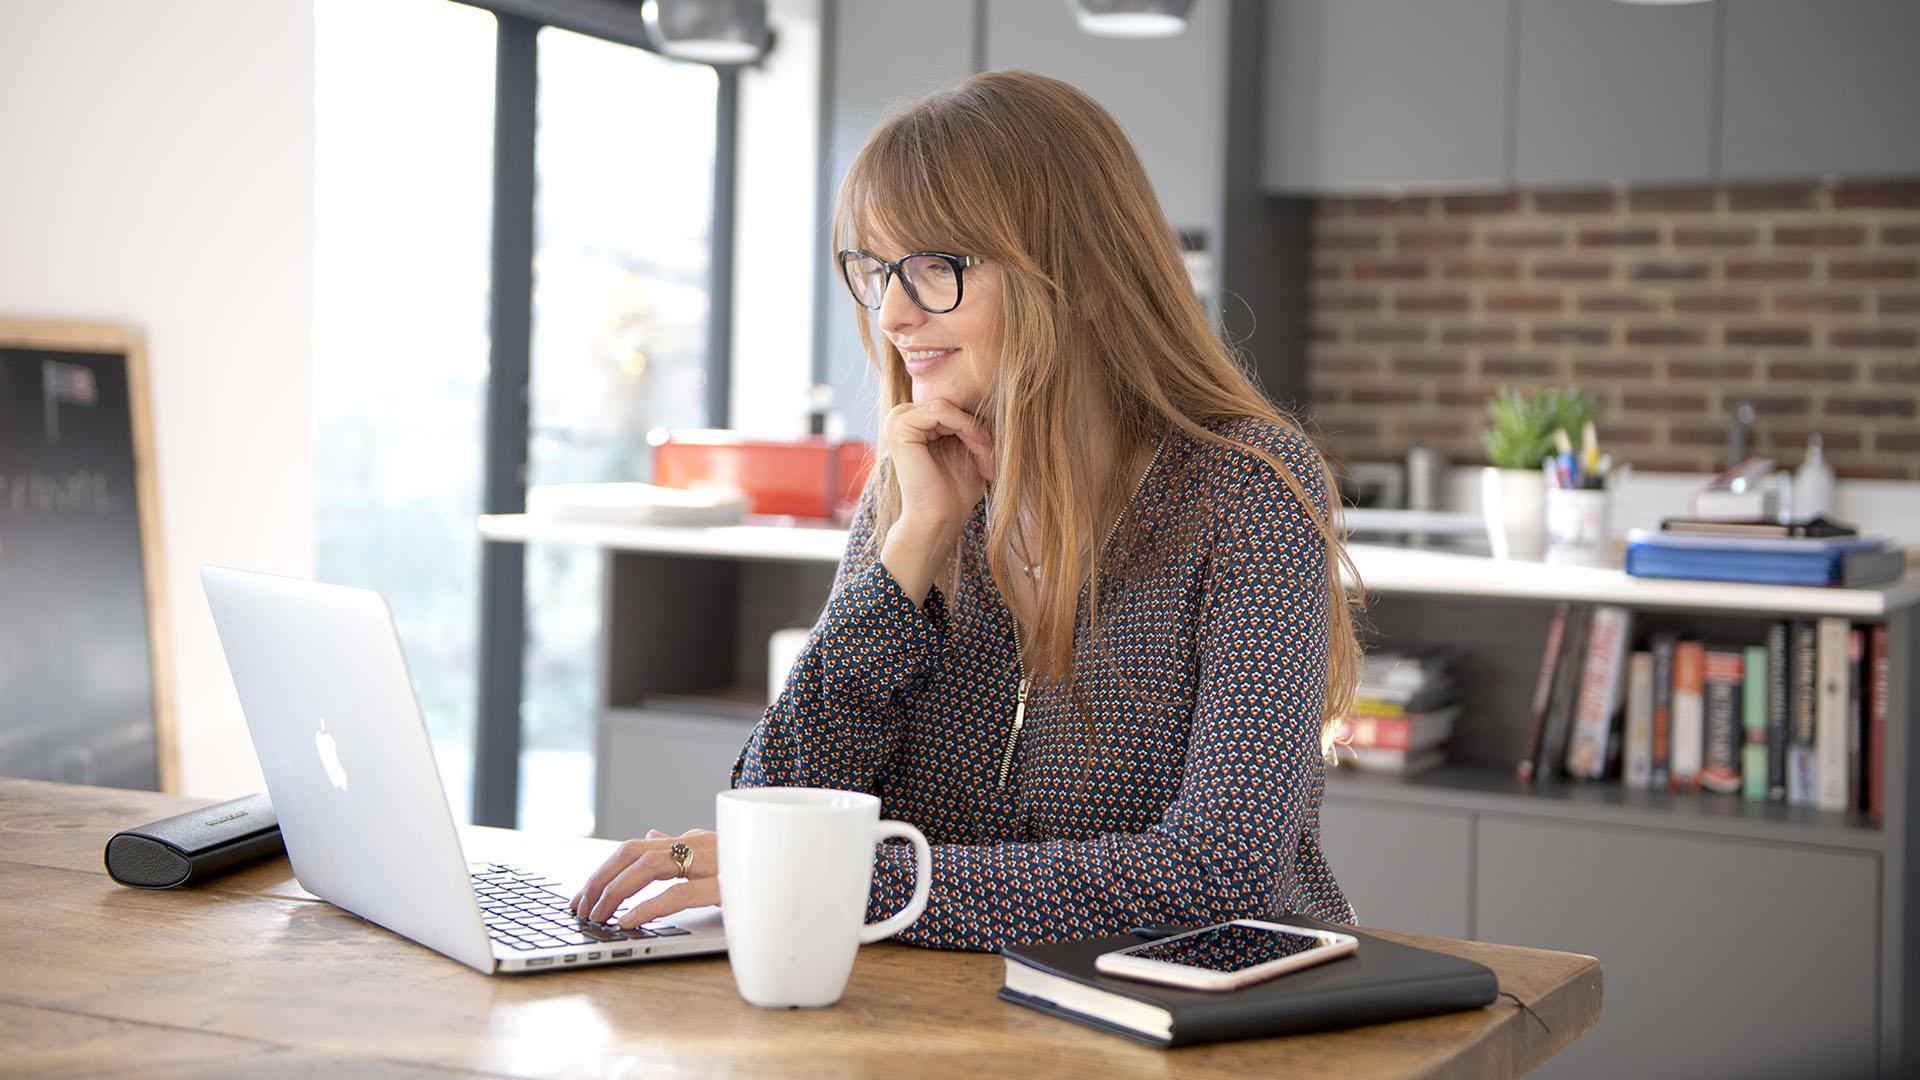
(1639, 767)
(1543, 690)
(1689, 714)
(1830, 717)
(1600, 681)
(1663, 646)
(1800, 744)
(1381, 733)
(1722, 677)
(1779, 679)
(1878, 676)
(1566, 686)
(1754, 715)
(1856, 719)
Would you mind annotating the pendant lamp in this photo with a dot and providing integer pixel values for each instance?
(1132, 18)
(708, 31)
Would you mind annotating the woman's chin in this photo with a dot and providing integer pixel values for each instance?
(925, 390)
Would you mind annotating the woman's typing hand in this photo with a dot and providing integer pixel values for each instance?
(638, 863)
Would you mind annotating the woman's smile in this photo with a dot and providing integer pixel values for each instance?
(921, 361)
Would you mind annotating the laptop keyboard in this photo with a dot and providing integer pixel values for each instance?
(525, 911)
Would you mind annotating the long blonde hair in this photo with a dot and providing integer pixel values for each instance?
(1102, 325)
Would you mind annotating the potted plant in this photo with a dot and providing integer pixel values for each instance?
(1513, 487)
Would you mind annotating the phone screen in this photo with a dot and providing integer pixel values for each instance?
(1229, 948)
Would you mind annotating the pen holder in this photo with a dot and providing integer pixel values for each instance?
(1577, 526)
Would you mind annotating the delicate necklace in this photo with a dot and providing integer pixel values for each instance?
(1033, 572)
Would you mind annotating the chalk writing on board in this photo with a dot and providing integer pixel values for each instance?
(79, 492)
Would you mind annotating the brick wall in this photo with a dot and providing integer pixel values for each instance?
(1673, 305)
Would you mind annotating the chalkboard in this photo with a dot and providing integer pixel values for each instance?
(84, 681)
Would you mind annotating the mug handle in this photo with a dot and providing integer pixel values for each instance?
(922, 882)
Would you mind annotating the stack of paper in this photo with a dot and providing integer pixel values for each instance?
(635, 504)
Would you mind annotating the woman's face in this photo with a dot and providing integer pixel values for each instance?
(954, 356)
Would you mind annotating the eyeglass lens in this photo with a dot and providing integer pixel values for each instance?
(932, 282)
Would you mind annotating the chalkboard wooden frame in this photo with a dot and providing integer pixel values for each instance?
(57, 335)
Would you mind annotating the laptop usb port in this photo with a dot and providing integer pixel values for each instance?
(593, 956)
(620, 954)
(540, 961)
(568, 959)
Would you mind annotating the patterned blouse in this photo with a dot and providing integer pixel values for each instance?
(1183, 788)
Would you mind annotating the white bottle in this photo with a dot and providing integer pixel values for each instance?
(1813, 484)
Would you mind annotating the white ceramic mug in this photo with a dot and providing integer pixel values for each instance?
(795, 868)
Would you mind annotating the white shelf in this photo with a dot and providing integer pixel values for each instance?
(1438, 573)
(1383, 569)
(776, 542)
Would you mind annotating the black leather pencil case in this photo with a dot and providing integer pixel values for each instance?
(194, 845)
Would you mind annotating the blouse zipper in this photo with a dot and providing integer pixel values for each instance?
(1019, 709)
(1019, 651)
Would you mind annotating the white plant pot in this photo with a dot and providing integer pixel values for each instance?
(1514, 504)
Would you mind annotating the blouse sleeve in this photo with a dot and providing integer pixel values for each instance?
(1226, 846)
(833, 724)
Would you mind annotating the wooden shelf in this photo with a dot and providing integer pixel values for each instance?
(1383, 568)
(1492, 790)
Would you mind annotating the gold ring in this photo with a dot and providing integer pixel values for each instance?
(682, 856)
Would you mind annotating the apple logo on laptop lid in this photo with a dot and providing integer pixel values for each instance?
(330, 756)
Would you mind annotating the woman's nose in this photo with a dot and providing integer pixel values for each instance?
(898, 312)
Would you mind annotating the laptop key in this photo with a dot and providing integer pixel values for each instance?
(665, 930)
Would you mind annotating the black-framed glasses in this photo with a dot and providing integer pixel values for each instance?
(932, 278)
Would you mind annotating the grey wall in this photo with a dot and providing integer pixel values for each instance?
(880, 54)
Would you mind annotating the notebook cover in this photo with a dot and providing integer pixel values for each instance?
(1382, 981)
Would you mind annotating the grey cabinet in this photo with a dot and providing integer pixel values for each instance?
(664, 769)
(1363, 93)
(1401, 868)
(1722, 957)
(1815, 88)
(1609, 91)
(1366, 94)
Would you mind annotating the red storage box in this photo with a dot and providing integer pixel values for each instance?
(813, 476)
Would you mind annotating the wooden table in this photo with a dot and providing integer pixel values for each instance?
(251, 975)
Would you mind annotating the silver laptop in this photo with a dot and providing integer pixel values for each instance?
(323, 682)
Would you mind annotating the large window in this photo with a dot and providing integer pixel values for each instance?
(625, 166)
(403, 191)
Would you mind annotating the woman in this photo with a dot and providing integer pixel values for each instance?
(1091, 631)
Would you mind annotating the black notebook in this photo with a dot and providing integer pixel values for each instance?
(1383, 980)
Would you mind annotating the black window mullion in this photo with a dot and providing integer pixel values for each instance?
(497, 736)
(720, 239)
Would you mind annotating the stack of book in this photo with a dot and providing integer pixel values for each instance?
(1403, 713)
(1763, 552)
(1799, 719)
